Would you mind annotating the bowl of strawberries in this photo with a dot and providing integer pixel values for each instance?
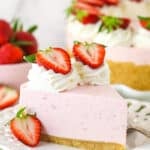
(15, 43)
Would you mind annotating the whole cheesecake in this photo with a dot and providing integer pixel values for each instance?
(122, 26)
(76, 106)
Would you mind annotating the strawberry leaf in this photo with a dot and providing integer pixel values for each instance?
(32, 29)
(144, 18)
(30, 58)
(15, 24)
(109, 23)
(23, 43)
(21, 113)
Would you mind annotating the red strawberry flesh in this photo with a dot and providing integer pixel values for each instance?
(27, 130)
(90, 54)
(8, 96)
(56, 59)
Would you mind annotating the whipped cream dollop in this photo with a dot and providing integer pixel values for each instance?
(48, 80)
(141, 38)
(98, 76)
(76, 31)
(119, 37)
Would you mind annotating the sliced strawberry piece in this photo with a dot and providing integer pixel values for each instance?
(93, 2)
(145, 22)
(111, 2)
(26, 128)
(90, 19)
(56, 59)
(8, 96)
(10, 53)
(125, 23)
(93, 10)
(90, 54)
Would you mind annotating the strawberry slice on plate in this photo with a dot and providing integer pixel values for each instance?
(93, 2)
(8, 96)
(26, 128)
(144, 22)
(90, 54)
(56, 59)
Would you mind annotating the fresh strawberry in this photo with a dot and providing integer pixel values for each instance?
(93, 2)
(8, 96)
(89, 19)
(125, 23)
(145, 22)
(111, 2)
(26, 128)
(111, 23)
(93, 10)
(5, 32)
(56, 59)
(90, 54)
(10, 53)
(30, 41)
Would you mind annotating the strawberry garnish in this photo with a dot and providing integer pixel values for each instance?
(5, 32)
(8, 96)
(10, 53)
(93, 2)
(91, 54)
(111, 2)
(88, 8)
(56, 59)
(145, 22)
(26, 128)
(111, 23)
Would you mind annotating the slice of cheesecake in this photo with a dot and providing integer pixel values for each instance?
(88, 117)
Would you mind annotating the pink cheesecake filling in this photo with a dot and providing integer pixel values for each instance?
(89, 113)
(138, 56)
(14, 74)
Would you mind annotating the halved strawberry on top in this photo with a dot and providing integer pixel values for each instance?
(90, 54)
(8, 96)
(56, 59)
(144, 22)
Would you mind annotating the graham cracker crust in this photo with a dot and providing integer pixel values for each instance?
(85, 145)
(132, 75)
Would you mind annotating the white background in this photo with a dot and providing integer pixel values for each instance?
(47, 14)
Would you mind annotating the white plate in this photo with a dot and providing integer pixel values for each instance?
(128, 92)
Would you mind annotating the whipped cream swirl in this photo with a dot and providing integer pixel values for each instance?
(48, 80)
(91, 76)
(142, 38)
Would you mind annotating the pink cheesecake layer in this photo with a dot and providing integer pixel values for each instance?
(14, 74)
(91, 113)
(139, 56)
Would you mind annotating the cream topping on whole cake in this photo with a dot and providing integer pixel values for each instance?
(141, 37)
(128, 8)
(89, 33)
